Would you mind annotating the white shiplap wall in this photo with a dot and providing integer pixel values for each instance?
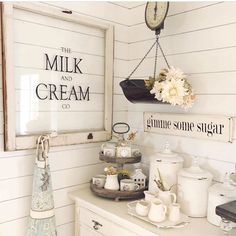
(200, 40)
(197, 40)
(72, 166)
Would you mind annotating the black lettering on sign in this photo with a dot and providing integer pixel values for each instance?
(66, 78)
(62, 92)
(66, 50)
(210, 128)
(52, 91)
(183, 125)
(76, 63)
(73, 93)
(161, 124)
(65, 106)
(82, 95)
(49, 65)
(37, 91)
(63, 64)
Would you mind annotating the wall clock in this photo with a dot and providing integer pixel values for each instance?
(155, 14)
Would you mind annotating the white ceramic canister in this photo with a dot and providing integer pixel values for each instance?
(168, 163)
(193, 184)
(218, 194)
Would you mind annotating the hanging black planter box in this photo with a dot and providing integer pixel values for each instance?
(136, 92)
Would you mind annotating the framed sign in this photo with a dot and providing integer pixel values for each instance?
(57, 76)
(217, 128)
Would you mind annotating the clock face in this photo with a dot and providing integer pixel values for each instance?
(155, 14)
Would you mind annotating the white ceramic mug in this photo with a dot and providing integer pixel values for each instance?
(142, 208)
(99, 180)
(149, 196)
(110, 152)
(174, 212)
(108, 145)
(128, 185)
(157, 212)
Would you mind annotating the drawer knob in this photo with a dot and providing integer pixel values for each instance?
(96, 225)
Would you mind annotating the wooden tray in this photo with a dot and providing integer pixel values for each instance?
(120, 160)
(117, 195)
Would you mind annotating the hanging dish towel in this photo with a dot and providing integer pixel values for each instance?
(42, 217)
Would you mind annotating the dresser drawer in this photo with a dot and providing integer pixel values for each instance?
(95, 222)
(86, 231)
(101, 225)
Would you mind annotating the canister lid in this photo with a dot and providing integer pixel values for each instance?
(167, 156)
(224, 189)
(195, 172)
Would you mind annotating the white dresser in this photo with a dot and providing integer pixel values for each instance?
(96, 216)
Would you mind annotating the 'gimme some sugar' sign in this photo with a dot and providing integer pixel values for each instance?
(218, 128)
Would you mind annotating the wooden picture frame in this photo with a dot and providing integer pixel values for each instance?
(15, 142)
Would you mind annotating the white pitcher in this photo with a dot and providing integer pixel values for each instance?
(174, 212)
(167, 197)
(112, 182)
(157, 212)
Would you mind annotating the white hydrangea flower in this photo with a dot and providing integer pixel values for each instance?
(172, 86)
(175, 73)
(173, 91)
(157, 90)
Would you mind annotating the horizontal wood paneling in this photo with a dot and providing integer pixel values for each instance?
(30, 102)
(80, 43)
(202, 83)
(199, 44)
(22, 186)
(213, 150)
(66, 229)
(121, 68)
(217, 167)
(121, 29)
(87, 43)
(27, 78)
(208, 39)
(120, 116)
(59, 159)
(205, 104)
(189, 21)
(210, 61)
(55, 24)
(117, 89)
(14, 228)
(90, 64)
(203, 47)
(18, 208)
(136, 119)
(71, 166)
(120, 103)
(103, 11)
(174, 9)
(19, 228)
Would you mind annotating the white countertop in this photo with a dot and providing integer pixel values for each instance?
(117, 213)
